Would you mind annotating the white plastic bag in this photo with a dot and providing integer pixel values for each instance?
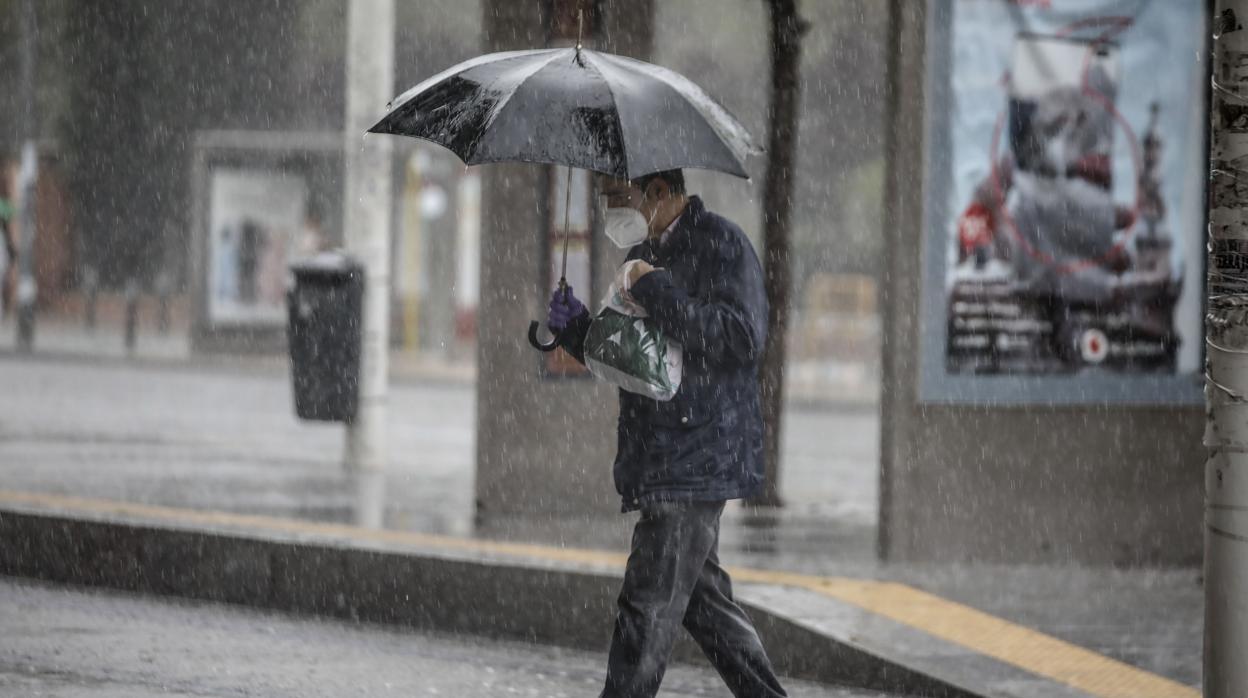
(625, 348)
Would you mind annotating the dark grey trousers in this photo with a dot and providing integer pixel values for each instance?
(673, 578)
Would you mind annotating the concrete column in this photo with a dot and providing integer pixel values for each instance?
(366, 224)
(544, 446)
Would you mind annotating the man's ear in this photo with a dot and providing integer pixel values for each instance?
(657, 190)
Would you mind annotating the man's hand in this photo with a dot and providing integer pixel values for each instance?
(564, 308)
(638, 270)
(628, 274)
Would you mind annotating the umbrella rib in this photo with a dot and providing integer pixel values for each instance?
(719, 117)
(502, 104)
(619, 123)
(457, 69)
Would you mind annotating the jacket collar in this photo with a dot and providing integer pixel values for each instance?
(680, 238)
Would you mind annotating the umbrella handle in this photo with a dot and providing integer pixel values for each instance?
(537, 343)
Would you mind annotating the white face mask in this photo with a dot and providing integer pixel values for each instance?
(625, 226)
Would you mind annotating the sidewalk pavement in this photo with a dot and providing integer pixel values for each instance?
(865, 633)
(216, 438)
(73, 340)
(811, 384)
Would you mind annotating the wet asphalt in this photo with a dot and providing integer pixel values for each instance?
(74, 643)
(226, 438)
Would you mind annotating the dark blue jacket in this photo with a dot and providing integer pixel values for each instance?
(706, 443)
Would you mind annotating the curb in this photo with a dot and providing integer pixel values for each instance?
(532, 593)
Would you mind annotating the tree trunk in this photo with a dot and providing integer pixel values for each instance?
(1226, 385)
(786, 32)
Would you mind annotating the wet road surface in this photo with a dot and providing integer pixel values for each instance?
(73, 643)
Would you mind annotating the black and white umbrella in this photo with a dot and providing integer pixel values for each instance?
(573, 107)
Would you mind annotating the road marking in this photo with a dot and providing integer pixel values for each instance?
(69, 505)
(953, 622)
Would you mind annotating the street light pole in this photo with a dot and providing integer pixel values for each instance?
(1226, 384)
(28, 179)
(366, 224)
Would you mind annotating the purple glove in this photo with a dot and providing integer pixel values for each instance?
(564, 307)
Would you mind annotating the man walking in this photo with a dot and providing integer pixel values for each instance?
(679, 461)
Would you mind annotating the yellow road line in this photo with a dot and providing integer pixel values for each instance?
(962, 625)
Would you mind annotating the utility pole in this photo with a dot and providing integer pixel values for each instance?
(366, 227)
(1226, 384)
(28, 180)
(787, 28)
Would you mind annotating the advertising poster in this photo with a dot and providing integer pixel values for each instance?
(255, 217)
(1066, 209)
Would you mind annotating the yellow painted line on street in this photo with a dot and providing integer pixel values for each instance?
(343, 531)
(957, 623)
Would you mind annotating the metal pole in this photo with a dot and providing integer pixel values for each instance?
(91, 286)
(164, 288)
(28, 179)
(132, 315)
(366, 225)
(1226, 384)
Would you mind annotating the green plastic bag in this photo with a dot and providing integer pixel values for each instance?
(627, 349)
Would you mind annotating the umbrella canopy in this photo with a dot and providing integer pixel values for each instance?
(570, 106)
